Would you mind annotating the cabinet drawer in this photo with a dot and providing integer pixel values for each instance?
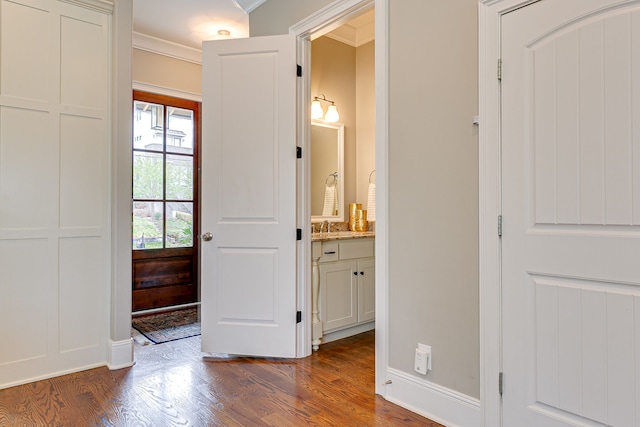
(357, 248)
(329, 252)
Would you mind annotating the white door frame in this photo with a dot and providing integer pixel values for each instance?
(312, 27)
(490, 203)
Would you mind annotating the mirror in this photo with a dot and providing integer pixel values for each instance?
(327, 171)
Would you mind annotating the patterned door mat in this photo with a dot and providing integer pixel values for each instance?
(168, 326)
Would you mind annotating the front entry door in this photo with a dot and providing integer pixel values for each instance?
(571, 213)
(248, 253)
(166, 134)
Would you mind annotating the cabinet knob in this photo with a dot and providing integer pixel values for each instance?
(355, 273)
(362, 273)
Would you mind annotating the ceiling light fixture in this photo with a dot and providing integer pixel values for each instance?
(317, 112)
(224, 33)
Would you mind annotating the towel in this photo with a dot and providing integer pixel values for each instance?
(371, 202)
(330, 201)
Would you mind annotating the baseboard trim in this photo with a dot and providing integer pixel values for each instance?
(51, 375)
(344, 333)
(120, 354)
(440, 404)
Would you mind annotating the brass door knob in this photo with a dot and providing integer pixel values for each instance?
(207, 236)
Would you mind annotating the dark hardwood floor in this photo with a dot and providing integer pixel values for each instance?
(172, 385)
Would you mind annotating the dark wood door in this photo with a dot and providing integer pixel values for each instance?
(166, 136)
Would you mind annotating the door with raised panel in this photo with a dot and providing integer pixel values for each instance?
(571, 213)
(248, 198)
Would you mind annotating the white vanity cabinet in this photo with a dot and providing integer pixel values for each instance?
(338, 294)
(344, 288)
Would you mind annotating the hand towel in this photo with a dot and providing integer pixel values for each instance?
(330, 201)
(371, 202)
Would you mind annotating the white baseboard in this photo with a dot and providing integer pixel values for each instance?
(120, 354)
(50, 375)
(440, 404)
(344, 333)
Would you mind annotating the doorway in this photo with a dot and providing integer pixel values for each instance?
(165, 151)
(342, 76)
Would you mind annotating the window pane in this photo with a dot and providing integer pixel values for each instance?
(147, 175)
(179, 130)
(179, 224)
(179, 177)
(148, 225)
(147, 126)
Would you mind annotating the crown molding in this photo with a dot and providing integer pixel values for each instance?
(253, 5)
(166, 48)
(353, 37)
(103, 6)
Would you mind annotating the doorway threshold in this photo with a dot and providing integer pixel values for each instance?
(162, 309)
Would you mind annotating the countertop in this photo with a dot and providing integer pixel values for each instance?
(341, 235)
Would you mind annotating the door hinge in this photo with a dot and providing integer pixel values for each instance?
(298, 233)
(499, 69)
(299, 70)
(500, 383)
(299, 317)
(298, 152)
(499, 225)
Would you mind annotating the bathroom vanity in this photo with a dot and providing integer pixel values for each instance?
(343, 293)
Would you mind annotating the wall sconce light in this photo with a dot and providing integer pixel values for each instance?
(317, 112)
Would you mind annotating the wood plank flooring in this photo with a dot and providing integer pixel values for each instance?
(172, 385)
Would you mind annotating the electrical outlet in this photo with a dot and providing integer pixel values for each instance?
(422, 363)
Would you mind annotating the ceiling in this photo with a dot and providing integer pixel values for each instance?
(189, 22)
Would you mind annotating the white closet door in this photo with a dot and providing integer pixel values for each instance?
(571, 213)
(54, 199)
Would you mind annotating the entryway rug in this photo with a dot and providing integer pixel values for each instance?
(168, 326)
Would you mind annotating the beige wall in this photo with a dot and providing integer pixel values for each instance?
(365, 120)
(433, 182)
(166, 72)
(333, 73)
(433, 190)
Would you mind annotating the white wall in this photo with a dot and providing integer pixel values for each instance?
(54, 186)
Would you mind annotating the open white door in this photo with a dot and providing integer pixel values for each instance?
(571, 213)
(248, 197)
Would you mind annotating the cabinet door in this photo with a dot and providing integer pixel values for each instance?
(366, 290)
(339, 300)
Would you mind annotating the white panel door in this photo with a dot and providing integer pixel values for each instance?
(571, 213)
(248, 197)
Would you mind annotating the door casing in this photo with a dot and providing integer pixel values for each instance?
(306, 30)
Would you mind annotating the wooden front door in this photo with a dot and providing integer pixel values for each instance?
(165, 200)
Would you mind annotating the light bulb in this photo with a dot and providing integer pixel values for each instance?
(316, 110)
(332, 114)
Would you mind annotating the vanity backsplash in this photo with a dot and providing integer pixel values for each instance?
(339, 226)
